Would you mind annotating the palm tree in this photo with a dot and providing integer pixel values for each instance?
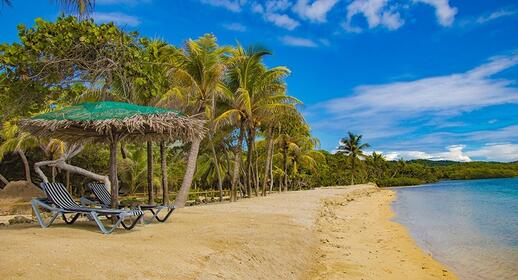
(253, 93)
(197, 75)
(353, 148)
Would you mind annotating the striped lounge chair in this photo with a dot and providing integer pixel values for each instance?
(104, 198)
(60, 202)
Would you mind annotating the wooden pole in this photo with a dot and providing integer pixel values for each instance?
(113, 172)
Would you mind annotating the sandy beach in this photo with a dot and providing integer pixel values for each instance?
(332, 233)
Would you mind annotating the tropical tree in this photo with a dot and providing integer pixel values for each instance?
(197, 76)
(353, 148)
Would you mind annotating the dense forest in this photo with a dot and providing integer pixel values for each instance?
(257, 141)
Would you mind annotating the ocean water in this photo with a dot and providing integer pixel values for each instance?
(470, 225)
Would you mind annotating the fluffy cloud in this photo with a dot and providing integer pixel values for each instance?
(315, 11)
(453, 153)
(442, 95)
(274, 11)
(118, 18)
(376, 12)
(496, 152)
(443, 11)
(235, 26)
(231, 5)
(503, 152)
(298, 42)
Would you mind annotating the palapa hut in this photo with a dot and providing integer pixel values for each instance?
(113, 122)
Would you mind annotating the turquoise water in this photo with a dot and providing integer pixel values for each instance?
(471, 225)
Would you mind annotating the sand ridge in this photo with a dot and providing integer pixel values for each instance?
(273, 237)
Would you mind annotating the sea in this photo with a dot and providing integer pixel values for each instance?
(471, 226)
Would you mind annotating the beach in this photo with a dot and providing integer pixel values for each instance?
(327, 233)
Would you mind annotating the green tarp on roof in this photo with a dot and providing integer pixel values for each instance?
(99, 111)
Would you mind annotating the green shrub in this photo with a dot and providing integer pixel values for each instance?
(399, 181)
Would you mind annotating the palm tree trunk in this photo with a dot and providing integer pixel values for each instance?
(285, 165)
(113, 173)
(271, 170)
(268, 159)
(150, 194)
(237, 162)
(163, 166)
(353, 167)
(25, 165)
(250, 143)
(183, 193)
(218, 171)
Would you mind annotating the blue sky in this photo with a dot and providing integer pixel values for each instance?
(433, 79)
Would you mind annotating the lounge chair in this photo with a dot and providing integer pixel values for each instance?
(104, 199)
(59, 201)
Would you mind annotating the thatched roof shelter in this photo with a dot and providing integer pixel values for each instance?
(112, 122)
(101, 121)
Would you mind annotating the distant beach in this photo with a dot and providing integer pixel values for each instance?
(470, 225)
(329, 233)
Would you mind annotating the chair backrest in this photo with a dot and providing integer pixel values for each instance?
(59, 195)
(101, 193)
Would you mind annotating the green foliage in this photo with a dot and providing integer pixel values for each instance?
(400, 181)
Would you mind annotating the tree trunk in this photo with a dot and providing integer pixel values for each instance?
(3, 179)
(237, 162)
(113, 173)
(353, 167)
(218, 171)
(249, 170)
(69, 187)
(25, 165)
(268, 159)
(150, 193)
(285, 165)
(163, 166)
(183, 193)
(123, 151)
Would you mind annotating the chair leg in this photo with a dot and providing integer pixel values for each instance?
(35, 204)
(74, 218)
(132, 225)
(105, 230)
(155, 214)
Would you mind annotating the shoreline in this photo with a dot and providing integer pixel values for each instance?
(281, 236)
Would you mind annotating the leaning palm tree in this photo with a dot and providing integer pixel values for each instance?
(353, 148)
(197, 77)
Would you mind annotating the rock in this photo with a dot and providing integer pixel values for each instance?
(2, 225)
(20, 220)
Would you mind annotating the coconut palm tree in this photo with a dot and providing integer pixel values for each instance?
(197, 75)
(352, 147)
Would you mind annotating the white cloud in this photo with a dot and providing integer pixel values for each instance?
(118, 18)
(316, 11)
(298, 42)
(443, 11)
(441, 95)
(273, 11)
(454, 153)
(392, 114)
(496, 152)
(231, 5)
(376, 12)
(496, 15)
(235, 26)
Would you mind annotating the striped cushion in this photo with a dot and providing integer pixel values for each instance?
(60, 196)
(101, 193)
